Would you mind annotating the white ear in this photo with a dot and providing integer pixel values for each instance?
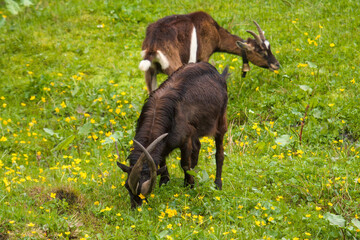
(244, 45)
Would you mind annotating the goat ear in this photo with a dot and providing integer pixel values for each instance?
(161, 170)
(124, 167)
(244, 45)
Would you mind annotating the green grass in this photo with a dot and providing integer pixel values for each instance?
(69, 77)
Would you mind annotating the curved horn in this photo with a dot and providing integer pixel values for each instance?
(135, 174)
(149, 184)
(261, 32)
(257, 38)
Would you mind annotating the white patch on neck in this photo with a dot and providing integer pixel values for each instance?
(162, 60)
(193, 47)
(143, 52)
(267, 44)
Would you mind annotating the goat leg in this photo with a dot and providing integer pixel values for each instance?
(165, 177)
(186, 151)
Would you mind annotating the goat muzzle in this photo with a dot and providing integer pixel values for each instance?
(135, 174)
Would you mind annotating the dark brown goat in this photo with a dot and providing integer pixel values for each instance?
(189, 105)
(180, 39)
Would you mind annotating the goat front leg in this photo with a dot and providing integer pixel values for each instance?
(165, 177)
(186, 152)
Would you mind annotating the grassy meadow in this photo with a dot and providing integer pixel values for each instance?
(70, 87)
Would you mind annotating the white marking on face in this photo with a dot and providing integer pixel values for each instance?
(143, 52)
(162, 60)
(193, 46)
(267, 44)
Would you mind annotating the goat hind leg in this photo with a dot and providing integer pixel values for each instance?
(219, 159)
(186, 151)
(195, 152)
(150, 78)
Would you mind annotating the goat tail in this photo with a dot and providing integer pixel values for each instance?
(144, 65)
(225, 74)
(148, 57)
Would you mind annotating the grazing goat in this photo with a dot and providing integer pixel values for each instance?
(180, 39)
(189, 105)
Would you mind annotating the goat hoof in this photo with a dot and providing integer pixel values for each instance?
(190, 183)
(218, 184)
(164, 180)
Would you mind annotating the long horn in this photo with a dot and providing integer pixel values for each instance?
(135, 174)
(261, 32)
(150, 183)
(257, 38)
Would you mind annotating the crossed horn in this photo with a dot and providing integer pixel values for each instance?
(135, 173)
(258, 38)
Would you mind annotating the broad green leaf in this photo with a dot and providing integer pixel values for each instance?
(191, 172)
(163, 233)
(85, 129)
(2, 22)
(205, 176)
(311, 64)
(283, 140)
(356, 223)
(317, 113)
(12, 6)
(113, 138)
(26, 3)
(306, 88)
(51, 132)
(64, 144)
(336, 220)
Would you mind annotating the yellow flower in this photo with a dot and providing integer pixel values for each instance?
(31, 225)
(308, 215)
(331, 104)
(53, 195)
(96, 203)
(321, 216)
(107, 209)
(318, 208)
(332, 44)
(32, 98)
(330, 204)
(271, 219)
(308, 234)
(63, 104)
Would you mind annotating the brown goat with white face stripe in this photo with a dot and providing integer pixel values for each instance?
(180, 39)
(189, 105)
